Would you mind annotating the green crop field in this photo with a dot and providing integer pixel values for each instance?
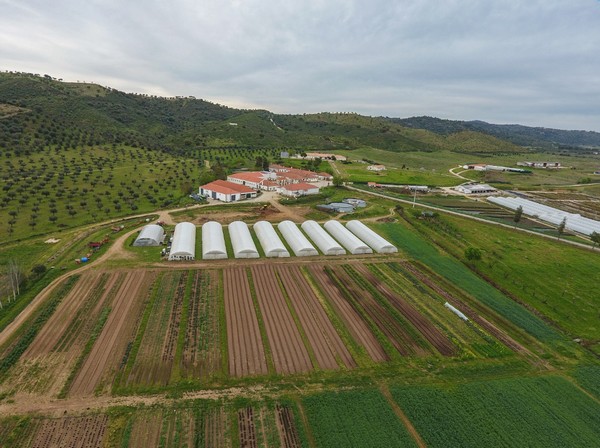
(537, 412)
(354, 418)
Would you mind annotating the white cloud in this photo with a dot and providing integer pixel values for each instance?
(531, 62)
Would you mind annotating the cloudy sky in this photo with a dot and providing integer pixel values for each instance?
(531, 62)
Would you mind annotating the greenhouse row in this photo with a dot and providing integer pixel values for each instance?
(573, 221)
(333, 238)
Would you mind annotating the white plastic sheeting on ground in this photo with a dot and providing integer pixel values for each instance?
(151, 235)
(241, 240)
(376, 242)
(573, 221)
(296, 239)
(184, 242)
(269, 240)
(322, 239)
(213, 241)
(350, 241)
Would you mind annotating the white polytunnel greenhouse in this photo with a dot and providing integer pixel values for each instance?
(213, 241)
(151, 235)
(322, 239)
(241, 240)
(350, 241)
(296, 239)
(377, 243)
(269, 240)
(573, 221)
(184, 242)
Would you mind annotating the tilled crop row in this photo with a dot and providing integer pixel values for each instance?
(244, 341)
(289, 353)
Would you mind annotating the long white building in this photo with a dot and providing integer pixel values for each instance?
(213, 241)
(350, 241)
(322, 239)
(241, 240)
(184, 242)
(269, 240)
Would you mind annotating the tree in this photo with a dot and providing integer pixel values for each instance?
(595, 236)
(561, 227)
(518, 214)
(472, 254)
(338, 181)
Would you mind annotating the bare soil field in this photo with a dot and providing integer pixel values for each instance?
(217, 430)
(247, 430)
(354, 322)
(244, 342)
(108, 350)
(289, 353)
(72, 432)
(324, 340)
(145, 431)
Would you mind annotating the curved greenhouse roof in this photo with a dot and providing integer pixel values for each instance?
(213, 241)
(377, 243)
(322, 239)
(184, 242)
(151, 235)
(269, 240)
(350, 241)
(296, 239)
(241, 240)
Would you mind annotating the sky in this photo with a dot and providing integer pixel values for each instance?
(530, 62)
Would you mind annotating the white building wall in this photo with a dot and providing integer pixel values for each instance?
(350, 241)
(269, 240)
(241, 240)
(184, 242)
(296, 239)
(375, 241)
(322, 239)
(213, 241)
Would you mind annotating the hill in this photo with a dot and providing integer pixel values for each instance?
(38, 112)
(537, 137)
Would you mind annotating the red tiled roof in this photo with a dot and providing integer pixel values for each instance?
(225, 187)
(250, 176)
(300, 186)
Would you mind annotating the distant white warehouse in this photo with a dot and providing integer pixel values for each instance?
(269, 240)
(296, 239)
(377, 243)
(350, 241)
(213, 241)
(322, 239)
(241, 240)
(151, 235)
(184, 242)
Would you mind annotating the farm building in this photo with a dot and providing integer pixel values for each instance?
(573, 221)
(376, 168)
(184, 242)
(475, 189)
(322, 239)
(252, 179)
(350, 241)
(296, 239)
(213, 241)
(540, 164)
(151, 235)
(299, 189)
(269, 240)
(376, 242)
(225, 191)
(241, 240)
